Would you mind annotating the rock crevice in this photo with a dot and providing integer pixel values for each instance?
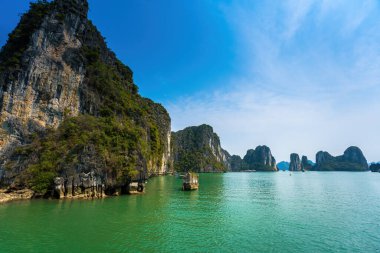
(71, 119)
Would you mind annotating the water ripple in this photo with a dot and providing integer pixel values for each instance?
(233, 212)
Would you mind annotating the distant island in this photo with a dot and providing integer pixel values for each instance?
(74, 125)
(375, 167)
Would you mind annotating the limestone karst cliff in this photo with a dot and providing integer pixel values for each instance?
(72, 121)
(198, 149)
(295, 162)
(352, 160)
(236, 163)
(260, 159)
(306, 164)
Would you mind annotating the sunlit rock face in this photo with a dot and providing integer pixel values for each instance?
(43, 88)
(198, 149)
(60, 83)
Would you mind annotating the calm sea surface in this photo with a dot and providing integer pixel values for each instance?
(232, 212)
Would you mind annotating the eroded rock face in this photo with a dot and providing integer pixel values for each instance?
(46, 88)
(6, 196)
(61, 71)
(198, 149)
(352, 160)
(87, 185)
(295, 163)
(260, 159)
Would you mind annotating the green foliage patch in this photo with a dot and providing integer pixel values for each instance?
(18, 39)
(118, 141)
(341, 166)
(197, 160)
(119, 132)
(192, 153)
(108, 145)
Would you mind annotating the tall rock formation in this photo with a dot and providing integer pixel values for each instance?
(198, 149)
(71, 116)
(305, 163)
(39, 84)
(352, 160)
(236, 163)
(260, 159)
(295, 162)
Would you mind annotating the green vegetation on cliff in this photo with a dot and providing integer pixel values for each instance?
(198, 149)
(106, 144)
(117, 142)
(260, 159)
(18, 39)
(342, 166)
(117, 134)
(351, 160)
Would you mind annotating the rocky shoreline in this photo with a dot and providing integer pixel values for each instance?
(6, 196)
(27, 194)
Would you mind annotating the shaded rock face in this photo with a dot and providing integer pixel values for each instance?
(352, 160)
(260, 159)
(305, 163)
(355, 155)
(375, 167)
(198, 149)
(323, 157)
(60, 83)
(236, 163)
(295, 162)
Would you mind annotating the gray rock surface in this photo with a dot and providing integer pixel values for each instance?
(198, 149)
(295, 162)
(45, 89)
(51, 83)
(260, 159)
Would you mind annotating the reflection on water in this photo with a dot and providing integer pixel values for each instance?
(238, 212)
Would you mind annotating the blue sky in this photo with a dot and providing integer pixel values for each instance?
(299, 76)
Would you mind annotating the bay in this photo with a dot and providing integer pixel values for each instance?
(231, 212)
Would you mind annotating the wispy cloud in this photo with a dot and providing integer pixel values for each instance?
(309, 80)
(351, 14)
(296, 12)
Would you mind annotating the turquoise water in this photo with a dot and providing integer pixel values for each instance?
(232, 212)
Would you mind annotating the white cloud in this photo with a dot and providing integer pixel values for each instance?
(302, 90)
(246, 118)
